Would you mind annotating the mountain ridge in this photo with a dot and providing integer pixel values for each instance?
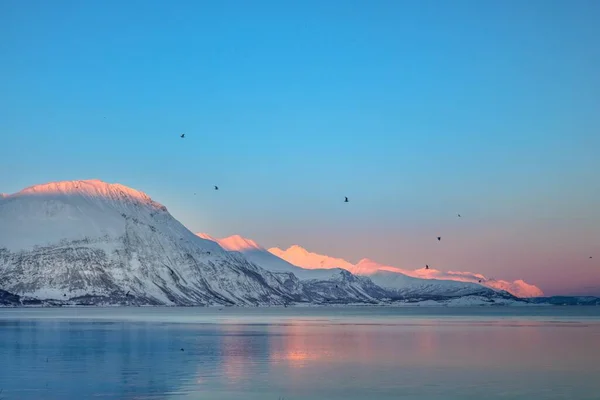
(94, 240)
(97, 243)
(301, 257)
(325, 284)
(397, 284)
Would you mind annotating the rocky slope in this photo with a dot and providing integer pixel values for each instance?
(108, 244)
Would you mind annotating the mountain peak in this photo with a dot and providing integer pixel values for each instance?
(239, 243)
(108, 244)
(233, 243)
(206, 236)
(366, 261)
(94, 188)
(295, 249)
(301, 257)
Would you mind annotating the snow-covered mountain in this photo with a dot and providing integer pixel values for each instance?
(389, 278)
(301, 257)
(366, 277)
(322, 285)
(261, 256)
(90, 241)
(517, 288)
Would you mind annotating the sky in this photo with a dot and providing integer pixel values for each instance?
(415, 110)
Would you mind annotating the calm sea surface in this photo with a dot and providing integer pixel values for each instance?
(301, 353)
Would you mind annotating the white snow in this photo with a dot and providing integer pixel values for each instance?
(94, 238)
(389, 278)
(331, 283)
(262, 257)
(301, 257)
(90, 238)
(386, 277)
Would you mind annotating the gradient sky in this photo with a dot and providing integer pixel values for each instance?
(416, 110)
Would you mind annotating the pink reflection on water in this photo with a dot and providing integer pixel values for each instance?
(431, 352)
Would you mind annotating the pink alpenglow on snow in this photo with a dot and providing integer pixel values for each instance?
(72, 210)
(301, 257)
(93, 188)
(235, 243)
(206, 236)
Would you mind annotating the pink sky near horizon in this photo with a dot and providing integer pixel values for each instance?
(544, 253)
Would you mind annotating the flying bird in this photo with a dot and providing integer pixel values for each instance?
(427, 267)
(345, 201)
(216, 187)
(458, 215)
(182, 135)
(439, 238)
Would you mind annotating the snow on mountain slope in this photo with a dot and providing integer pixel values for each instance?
(260, 256)
(301, 257)
(238, 243)
(317, 284)
(390, 278)
(405, 286)
(93, 240)
(517, 288)
(366, 277)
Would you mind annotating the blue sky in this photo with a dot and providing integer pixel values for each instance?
(416, 110)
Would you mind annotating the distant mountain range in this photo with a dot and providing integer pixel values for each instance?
(93, 243)
(303, 258)
(310, 266)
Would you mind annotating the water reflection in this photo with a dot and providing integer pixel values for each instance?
(402, 359)
(241, 352)
(65, 360)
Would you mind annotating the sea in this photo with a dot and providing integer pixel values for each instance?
(294, 353)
